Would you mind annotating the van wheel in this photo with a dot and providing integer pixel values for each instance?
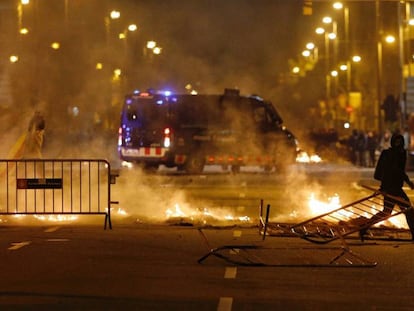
(195, 164)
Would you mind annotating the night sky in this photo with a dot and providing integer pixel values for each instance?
(240, 43)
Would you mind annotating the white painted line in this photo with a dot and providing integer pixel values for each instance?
(230, 273)
(225, 304)
(52, 229)
(237, 233)
(18, 245)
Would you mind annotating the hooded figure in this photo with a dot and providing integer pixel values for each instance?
(390, 171)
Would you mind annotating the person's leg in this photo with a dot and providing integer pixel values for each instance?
(409, 214)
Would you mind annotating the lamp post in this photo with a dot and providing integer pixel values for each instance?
(348, 69)
(377, 109)
(330, 36)
(20, 6)
(114, 14)
(322, 31)
(339, 6)
(402, 100)
(389, 39)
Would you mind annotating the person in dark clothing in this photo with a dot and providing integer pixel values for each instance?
(372, 145)
(353, 146)
(360, 149)
(390, 170)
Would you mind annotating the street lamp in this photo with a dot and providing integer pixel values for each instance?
(332, 36)
(113, 15)
(14, 58)
(348, 69)
(328, 36)
(388, 39)
(340, 6)
(156, 50)
(151, 44)
(20, 5)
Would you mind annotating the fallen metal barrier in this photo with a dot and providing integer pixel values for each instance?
(56, 187)
(343, 222)
(338, 224)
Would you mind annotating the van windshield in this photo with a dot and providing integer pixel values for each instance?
(150, 113)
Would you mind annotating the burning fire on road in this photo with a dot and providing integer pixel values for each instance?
(202, 216)
(304, 157)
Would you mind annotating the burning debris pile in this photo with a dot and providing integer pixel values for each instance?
(304, 157)
(184, 215)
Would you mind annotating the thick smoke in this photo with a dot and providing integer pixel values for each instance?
(211, 45)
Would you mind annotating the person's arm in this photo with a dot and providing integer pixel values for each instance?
(409, 182)
(406, 178)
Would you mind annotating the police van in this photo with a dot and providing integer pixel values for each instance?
(191, 131)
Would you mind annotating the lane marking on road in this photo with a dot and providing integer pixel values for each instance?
(18, 245)
(52, 229)
(234, 251)
(225, 304)
(237, 233)
(230, 272)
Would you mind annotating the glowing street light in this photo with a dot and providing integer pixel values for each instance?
(320, 30)
(327, 20)
(55, 45)
(114, 14)
(310, 45)
(14, 58)
(156, 50)
(356, 58)
(151, 44)
(390, 39)
(132, 27)
(306, 53)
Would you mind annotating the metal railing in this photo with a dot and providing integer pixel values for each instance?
(56, 187)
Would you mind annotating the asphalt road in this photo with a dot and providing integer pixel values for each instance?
(150, 261)
(155, 267)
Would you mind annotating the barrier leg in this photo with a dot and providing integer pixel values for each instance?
(266, 221)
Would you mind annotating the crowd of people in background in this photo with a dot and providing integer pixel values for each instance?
(365, 146)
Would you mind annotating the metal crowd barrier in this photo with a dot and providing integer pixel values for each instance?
(343, 222)
(338, 224)
(56, 187)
